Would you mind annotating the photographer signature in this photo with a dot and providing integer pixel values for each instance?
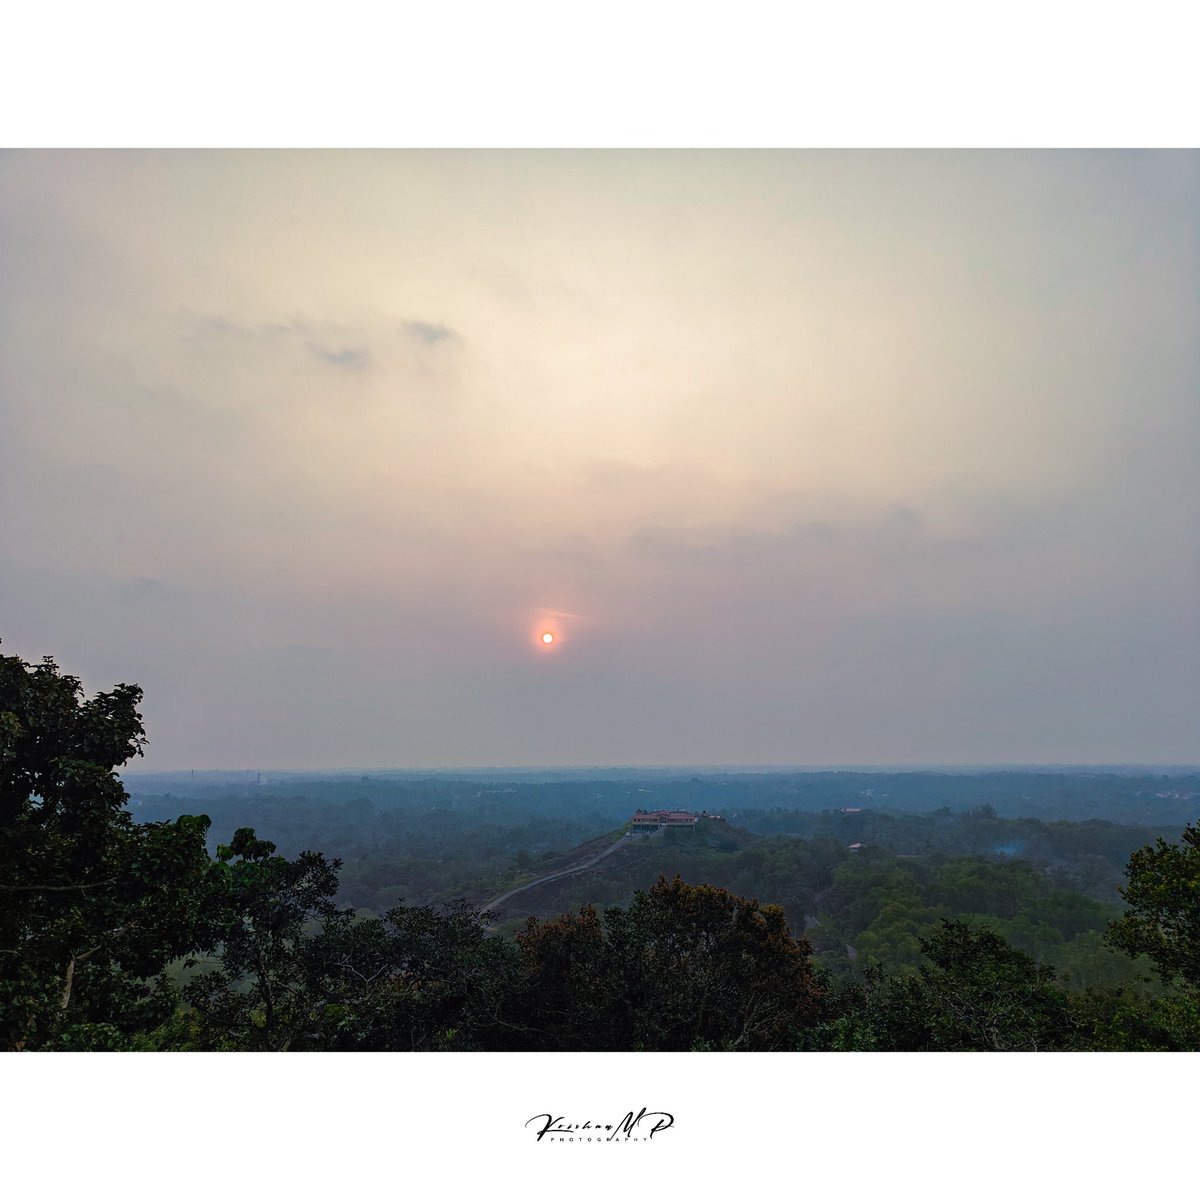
(655, 1123)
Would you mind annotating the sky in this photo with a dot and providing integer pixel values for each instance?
(803, 458)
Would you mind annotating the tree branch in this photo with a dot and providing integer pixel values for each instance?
(48, 887)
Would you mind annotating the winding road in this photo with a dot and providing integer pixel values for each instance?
(494, 905)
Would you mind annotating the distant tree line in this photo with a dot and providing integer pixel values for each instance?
(124, 935)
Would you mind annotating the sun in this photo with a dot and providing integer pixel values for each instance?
(545, 633)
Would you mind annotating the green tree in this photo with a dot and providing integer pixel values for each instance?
(92, 905)
(571, 984)
(980, 993)
(975, 992)
(418, 978)
(257, 999)
(716, 968)
(1163, 916)
(682, 966)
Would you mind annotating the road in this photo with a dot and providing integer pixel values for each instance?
(583, 866)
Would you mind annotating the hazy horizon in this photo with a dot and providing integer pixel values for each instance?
(848, 457)
(136, 768)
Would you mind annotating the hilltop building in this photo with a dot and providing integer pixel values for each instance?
(674, 819)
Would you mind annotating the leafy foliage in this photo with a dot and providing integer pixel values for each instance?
(683, 965)
(92, 905)
(1163, 918)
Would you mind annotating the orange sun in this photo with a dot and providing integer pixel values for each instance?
(547, 638)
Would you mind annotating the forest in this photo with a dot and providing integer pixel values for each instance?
(822, 911)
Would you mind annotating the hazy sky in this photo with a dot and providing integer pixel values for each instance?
(804, 457)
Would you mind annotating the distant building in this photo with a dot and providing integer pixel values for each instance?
(855, 846)
(672, 819)
(850, 810)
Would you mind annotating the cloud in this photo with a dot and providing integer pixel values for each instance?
(345, 346)
(350, 358)
(428, 333)
(342, 345)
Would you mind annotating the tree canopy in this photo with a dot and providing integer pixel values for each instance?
(1163, 916)
(94, 905)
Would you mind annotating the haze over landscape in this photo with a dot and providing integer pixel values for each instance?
(804, 458)
(600, 602)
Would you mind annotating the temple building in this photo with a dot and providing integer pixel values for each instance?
(671, 819)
